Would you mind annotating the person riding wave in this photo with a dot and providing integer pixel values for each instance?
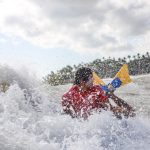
(84, 97)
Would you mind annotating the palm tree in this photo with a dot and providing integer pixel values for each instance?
(143, 56)
(119, 59)
(129, 57)
(147, 54)
(134, 57)
(124, 58)
(103, 58)
(138, 55)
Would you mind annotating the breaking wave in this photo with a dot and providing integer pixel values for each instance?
(31, 119)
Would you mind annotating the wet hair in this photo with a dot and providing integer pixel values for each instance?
(82, 74)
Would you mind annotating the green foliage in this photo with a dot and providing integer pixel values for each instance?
(105, 68)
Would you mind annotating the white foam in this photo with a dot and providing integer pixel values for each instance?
(31, 119)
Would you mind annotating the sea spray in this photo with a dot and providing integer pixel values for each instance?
(31, 119)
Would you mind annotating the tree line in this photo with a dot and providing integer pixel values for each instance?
(106, 68)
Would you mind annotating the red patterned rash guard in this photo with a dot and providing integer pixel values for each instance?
(82, 103)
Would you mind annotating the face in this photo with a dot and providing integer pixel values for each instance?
(89, 83)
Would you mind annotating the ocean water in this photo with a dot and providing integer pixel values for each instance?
(31, 119)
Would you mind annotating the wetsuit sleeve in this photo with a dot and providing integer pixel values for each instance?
(102, 96)
(67, 103)
(66, 100)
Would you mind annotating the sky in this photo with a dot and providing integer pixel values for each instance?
(46, 35)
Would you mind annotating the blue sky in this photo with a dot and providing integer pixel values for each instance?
(18, 53)
(43, 35)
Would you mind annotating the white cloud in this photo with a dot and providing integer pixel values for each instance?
(98, 26)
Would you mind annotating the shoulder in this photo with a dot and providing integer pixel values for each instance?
(69, 95)
(72, 90)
